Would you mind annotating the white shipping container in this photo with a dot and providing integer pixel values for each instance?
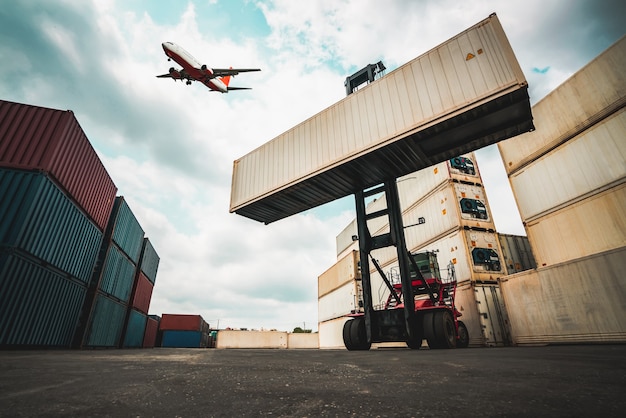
(341, 301)
(349, 146)
(588, 96)
(577, 301)
(584, 165)
(465, 168)
(591, 226)
(331, 333)
(343, 271)
(345, 239)
(516, 253)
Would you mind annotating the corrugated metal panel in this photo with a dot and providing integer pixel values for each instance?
(184, 339)
(152, 327)
(52, 140)
(463, 95)
(37, 217)
(142, 293)
(343, 271)
(582, 166)
(341, 301)
(118, 274)
(345, 239)
(135, 329)
(107, 321)
(587, 97)
(127, 232)
(149, 262)
(182, 322)
(578, 301)
(591, 226)
(516, 253)
(465, 301)
(38, 306)
(493, 316)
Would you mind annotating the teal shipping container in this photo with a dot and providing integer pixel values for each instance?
(185, 339)
(106, 323)
(149, 262)
(118, 274)
(38, 218)
(135, 329)
(127, 232)
(38, 306)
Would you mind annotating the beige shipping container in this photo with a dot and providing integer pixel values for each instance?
(342, 301)
(345, 240)
(589, 96)
(577, 301)
(587, 164)
(591, 226)
(516, 253)
(387, 129)
(343, 271)
(331, 333)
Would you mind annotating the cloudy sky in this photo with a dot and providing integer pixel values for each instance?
(170, 147)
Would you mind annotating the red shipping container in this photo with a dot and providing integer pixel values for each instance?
(179, 322)
(50, 140)
(142, 293)
(149, 337)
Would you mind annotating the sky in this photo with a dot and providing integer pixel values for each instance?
(169, 147)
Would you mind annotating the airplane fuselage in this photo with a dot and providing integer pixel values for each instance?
(193, 68)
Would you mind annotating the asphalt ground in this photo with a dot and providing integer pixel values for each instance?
(551, 381)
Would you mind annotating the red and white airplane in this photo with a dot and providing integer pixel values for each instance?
(216, 79)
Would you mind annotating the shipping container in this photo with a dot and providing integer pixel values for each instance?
(516, 253)
(118, 274)
(49, 140)
(331, 333)
(583, 166)
(343, 271)
(581, 301)
(38, 306)
(142, 293)
(252, 339)
(184, 339)
(135, 329)
(587, 97)
(38, 218)
(466, 93)
(590, 226)
(182, 322)
(127, 232)
(344, 300)
(347, 240)
(465, 169)
(149, 261)
(105, 323)
(152, 327)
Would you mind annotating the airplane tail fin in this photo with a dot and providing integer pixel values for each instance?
(226, 79)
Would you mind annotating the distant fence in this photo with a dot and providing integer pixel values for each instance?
(266, 339)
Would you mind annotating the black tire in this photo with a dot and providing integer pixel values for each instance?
(463, 340)
(347, 339)
(358, 334)
(439, 329)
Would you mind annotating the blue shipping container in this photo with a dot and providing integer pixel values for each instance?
(127, 232)
(149, 262)
(135, 329)
(38, 306)
(118, 274)
(106, 323)
(184, 339)
(37, 217)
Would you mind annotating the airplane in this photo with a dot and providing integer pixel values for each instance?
(216, 79)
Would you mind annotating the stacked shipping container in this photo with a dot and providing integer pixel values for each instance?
(59, 262)
(569, 181)
(180, 330)
(56, 198)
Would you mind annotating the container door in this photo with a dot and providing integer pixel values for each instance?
(493, 316)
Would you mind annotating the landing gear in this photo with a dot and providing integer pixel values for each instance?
(354, 334)
(188, 83)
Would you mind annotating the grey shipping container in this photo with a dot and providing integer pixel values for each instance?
(38, 306)
(37, 217)
(149, 262)
(127, 232)
(516, 253)
(465, 94)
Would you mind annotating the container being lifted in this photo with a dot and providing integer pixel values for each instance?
(467, 93)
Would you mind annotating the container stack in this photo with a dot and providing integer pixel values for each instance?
(55, 200)
(445, 209)
(569, 180)
(178, 330)
(105, 310)
(151, 332)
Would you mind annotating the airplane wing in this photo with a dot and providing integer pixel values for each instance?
(219, 72)
(176, 74)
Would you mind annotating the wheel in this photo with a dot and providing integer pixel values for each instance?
(463, 340)
(347, 339)
(439, 329)
(355, 335)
